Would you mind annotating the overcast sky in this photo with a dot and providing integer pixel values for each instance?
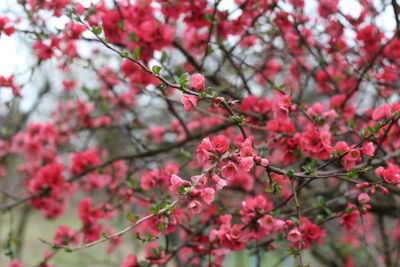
(15, 58)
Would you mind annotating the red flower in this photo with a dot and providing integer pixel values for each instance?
(189, 102)
(198, 82)
(220, 143)
(316, 143)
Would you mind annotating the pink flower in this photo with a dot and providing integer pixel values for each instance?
(311, 232)
(264, 162)
(148, 181)
(207, 194)
(157, 133)
(198, 82)
(15, 263)
(363, 198)
(229, 236)
(203, 151)
(368, 149)
(294, 235)
(219, 183)
(268, 222)
(229, 170)
(171, 168)
(351, 158)
(327, 7)
(382, 112)
(83, 160)
(176, 182)
(64, 236)
(354, 154)
(220, 143)
(246, 151)
(195, 207)
(69, 85)
(131, 261)
(349, 219)
(246, 163)
(5, 25)
(316, 144)
(341, 146)
(189, 102)
(282, 105)
(390, 175)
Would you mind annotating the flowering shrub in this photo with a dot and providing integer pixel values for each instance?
(204, 128)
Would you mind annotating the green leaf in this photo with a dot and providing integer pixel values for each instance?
(277, 187)
(68, 250)
(185, 153)
(124, 54)
(104, 235)
(155, 209)
(164, 57)
(202, 95)
(293, 251)
(351, 122)
(327, 211)
(320, 201)
(210, 50)
(352, 173)
(364, 133)
(181, 190)
(97, 30)
(156, 69)
(132, 37)
(184, 79)
(320, 218)
(132, 218)
(314, 163)
(268, 190)
(136, 53)
(176, 79)
(210, 18)
(161, 226)
(239, 119)
(154, 252)
(377, 127)
(290, 173)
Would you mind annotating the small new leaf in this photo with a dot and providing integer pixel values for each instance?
(210, 18)
(97, 30)
(124, 54)
(181, 190)
(164, 57)
(290, 173)
(132, 218)
(136, 53)
(132, 37)
(377, 127)
(104, 235)
(320, 201)
(184, 79)
(352, 173)
(156, 69)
